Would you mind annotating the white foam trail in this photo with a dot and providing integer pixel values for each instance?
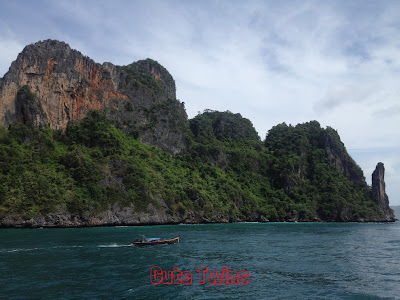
(72, 246)
(22, 249)
(114, 245)
(37, 248)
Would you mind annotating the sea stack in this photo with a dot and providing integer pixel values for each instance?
(379, 194)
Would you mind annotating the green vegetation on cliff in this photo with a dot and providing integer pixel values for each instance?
(228, 173)
(301, 166)
(101, 169)
(147, 74)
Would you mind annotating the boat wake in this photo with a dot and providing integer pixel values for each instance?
(16, 250)
(114, 245)
(36, 248)
(20, 250)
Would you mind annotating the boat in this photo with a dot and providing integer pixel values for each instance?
(154, 241)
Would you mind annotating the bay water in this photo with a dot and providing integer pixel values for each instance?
(282, 260)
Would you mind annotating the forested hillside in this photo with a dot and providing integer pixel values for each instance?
(227, 175)
(84, 144)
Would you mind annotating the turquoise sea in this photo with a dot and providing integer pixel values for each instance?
(283, 260)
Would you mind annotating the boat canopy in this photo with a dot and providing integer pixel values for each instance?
(152, 239)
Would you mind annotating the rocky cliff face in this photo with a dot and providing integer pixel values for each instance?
(115, 215)
(28, 109)
(378, 192)
(337, 153)
(300, 173)
(67, 85)
(347, 166)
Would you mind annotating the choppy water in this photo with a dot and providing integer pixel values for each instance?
(284, 261)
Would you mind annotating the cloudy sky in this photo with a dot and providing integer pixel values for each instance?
(337, 62)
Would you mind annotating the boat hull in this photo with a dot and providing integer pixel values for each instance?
(156, 242)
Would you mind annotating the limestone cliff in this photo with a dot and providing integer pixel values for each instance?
(337, 153)
(28, 109)
(67, 85)
(379, 193)
(88, 173)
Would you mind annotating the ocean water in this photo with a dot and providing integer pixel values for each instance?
(283, 261)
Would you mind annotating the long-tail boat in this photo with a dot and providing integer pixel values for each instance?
(155, 241)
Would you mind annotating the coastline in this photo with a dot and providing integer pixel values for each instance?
(60, 221)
